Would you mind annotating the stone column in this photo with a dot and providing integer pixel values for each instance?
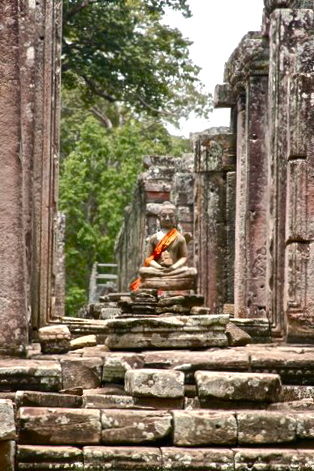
(29, 45)
(290, 296)
(214, 242)
(246, 73)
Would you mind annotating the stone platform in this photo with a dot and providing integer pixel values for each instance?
(169, 332)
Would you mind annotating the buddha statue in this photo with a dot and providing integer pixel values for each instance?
(166, 263)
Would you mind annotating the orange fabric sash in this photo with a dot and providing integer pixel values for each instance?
(160, 247)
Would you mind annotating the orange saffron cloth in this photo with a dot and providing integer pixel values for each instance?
(160, 247)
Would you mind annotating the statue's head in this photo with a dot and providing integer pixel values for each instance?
(167, 215)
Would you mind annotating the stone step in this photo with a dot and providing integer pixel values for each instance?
(254, 387)
(102, 458)
(79, 427)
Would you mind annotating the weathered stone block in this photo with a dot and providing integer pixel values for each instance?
(193, 459)
(82, 342)
(265, 427)
(238, 386)
(155, 383)
(116, 365)
(134, 426)
(44, 458)
(54, 339)
(42, 399)
(83, 372)
(236, 336)
(199, 428)
(42, 426)
(122, 458)
(7, 429)
(30, 375)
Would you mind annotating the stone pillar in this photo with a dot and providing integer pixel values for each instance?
(290, 295)
(246, 73)
(214, 233)
(29, 147)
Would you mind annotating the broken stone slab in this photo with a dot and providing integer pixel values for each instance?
(82, 372)
(274, 459)
(168, 332)
(99, 401)
(54, 339)
(238, 386)
(102, 458)
(194, 459)
(154, 383)
(54, 426)
(38, 375)
(7, 429)
(58, 458)
(134, 426)
(265, 427)
(204, 428)
(85, 341)
(43, 399)
(237, 337)
(7, 455)
(116, 364)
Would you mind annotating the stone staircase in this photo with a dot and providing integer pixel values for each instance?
(244, 408)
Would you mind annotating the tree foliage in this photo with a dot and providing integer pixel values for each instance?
(121, 51)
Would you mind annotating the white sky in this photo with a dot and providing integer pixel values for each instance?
(216, 28)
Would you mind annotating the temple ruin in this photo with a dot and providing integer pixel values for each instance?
(218, 379)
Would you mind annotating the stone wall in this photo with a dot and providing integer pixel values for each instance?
(268, 86)
(29, 137)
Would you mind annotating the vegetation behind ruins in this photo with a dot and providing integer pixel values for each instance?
(125, 75)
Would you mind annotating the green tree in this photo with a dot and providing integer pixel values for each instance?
(119, 50)
(96, 183)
